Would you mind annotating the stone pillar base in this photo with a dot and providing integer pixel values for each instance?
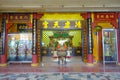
(3, 60)
(35, 64)
(34, 60)
(119, 64)
(90, 58)
(90, 64)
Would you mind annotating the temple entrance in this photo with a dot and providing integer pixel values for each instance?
(69, 39)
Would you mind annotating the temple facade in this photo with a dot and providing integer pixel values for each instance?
(27, 37)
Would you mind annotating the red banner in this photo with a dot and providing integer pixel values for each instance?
(105, 17)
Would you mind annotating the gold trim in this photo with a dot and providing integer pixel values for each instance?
(35, 64)
(3, 65)
(90, 64)
(95, 62)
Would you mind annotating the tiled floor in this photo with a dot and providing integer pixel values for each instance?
(50, 65)
(75, 69)
(60, 76)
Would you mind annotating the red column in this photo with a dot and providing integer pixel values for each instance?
(90, 55)
(90, 58)
(100, 45)
(35, 56)
(34, 60)
(3, 57)
(3, 60)
(118, 32)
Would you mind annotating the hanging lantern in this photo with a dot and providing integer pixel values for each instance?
(97, 29)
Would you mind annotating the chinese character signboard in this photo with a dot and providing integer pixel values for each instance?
(105, 17)
(19, 17)
(68, 24)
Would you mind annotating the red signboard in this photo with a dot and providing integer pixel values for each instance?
(19, 17)
(105, 17)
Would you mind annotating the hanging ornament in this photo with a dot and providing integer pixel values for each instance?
(97, 29)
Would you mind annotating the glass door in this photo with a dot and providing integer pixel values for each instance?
(110, 49)
(20, 47)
